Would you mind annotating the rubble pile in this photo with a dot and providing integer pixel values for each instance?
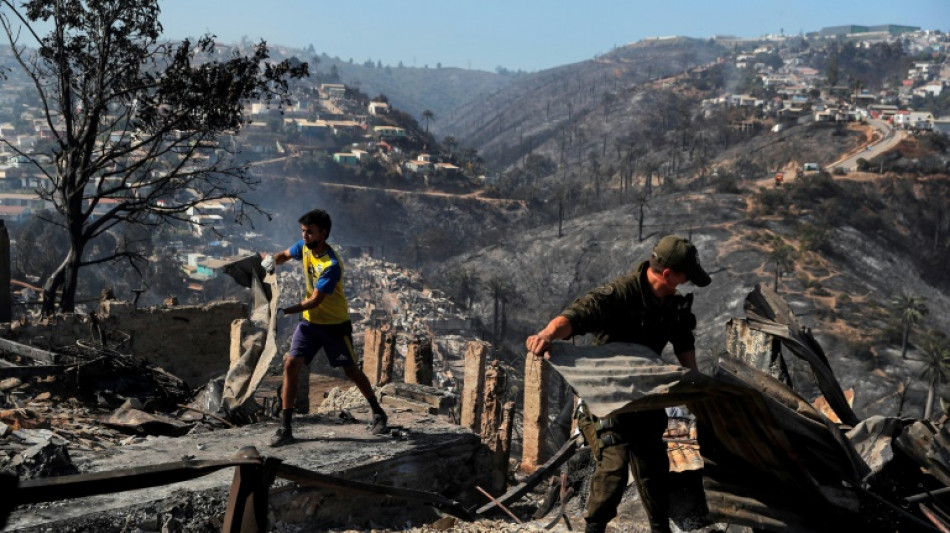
(67, 405)
(383, 294)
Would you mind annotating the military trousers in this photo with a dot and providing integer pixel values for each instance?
(633, 441)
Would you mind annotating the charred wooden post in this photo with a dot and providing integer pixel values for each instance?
(373, 355)
(474, 381)
(501, 448)
(247, 502)
(388, 360)
(419, 361)
(493, 424)
(535, 412)
(492, 395)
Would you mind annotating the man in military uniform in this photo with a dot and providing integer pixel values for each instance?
(641, 307)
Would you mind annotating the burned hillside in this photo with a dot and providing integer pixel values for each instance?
(843, 289)
(398, 315)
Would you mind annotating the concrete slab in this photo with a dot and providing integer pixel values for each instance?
(422, 452)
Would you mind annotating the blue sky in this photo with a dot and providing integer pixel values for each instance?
(518, 34)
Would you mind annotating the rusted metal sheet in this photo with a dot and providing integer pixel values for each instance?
(772, 460)
(927, 444)
(769, 313)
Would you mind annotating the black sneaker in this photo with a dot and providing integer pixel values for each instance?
(378, 426)
(281, 437)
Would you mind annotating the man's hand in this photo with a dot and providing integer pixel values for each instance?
(268, 263)
(539, 345)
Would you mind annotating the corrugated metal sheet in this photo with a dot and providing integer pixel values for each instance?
(770, 459)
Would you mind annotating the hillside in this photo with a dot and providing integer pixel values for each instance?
(842, 291)
(416, 89)
(535, 109)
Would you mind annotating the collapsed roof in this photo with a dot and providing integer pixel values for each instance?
(772, 460)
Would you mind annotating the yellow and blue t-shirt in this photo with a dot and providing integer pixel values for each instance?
(323, 273)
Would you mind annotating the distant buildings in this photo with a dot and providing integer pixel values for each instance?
(853, 29)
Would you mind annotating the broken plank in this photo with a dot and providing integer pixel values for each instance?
(43, 356)
(562, 455)
(25, 371)
(90, 484)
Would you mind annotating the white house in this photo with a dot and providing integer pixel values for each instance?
(914, 120)
(378, 108)
(933, 89)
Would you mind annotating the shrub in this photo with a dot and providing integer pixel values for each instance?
(772, 201)
(813, 238)
(728, 185)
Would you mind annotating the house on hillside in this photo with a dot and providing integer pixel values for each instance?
(210, 214)
(864, 99)
(389, 132)
(312, 128)
(421, 163)
(346, 158)
(333, 91)
(14, 213)
(29, 201)
(378, 108)
(209, 268)
(340, 127)
(914, 120)
(882, 111)
(744, 100)
(17, 179)
(931, 89)
(447, 168)
(261, 108)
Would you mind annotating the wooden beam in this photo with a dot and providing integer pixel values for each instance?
(43, 356)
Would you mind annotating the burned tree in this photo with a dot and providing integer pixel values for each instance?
(136, 123)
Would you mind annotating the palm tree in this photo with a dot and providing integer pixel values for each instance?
(911, 310)
(451, 143)
(936, 359)
(503, 292)
(464, 285)
(781, 259)
(428, 115)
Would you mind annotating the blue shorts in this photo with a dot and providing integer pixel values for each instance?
(335, 339)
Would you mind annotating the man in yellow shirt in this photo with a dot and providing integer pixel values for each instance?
(325, 322)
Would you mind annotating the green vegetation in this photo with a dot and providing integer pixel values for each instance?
(909, 309)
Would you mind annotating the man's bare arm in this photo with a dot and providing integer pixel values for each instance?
(558, 328)
(282, 257)
(315, 299)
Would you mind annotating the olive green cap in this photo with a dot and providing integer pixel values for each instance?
(681, 255)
